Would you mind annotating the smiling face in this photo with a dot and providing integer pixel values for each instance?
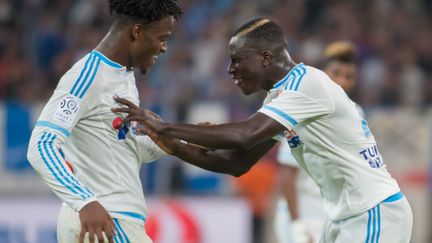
(149, 41)
(247, 66)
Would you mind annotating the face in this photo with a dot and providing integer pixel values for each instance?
(246, 66)
(149, 41)
(343, 74)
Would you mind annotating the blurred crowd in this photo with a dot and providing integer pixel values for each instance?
(41, 39)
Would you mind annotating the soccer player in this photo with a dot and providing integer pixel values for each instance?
(100, 186)
(299, 216)
(327, 136)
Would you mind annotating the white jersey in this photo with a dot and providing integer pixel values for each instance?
(76, 126)
(310, 203)
(331, 141)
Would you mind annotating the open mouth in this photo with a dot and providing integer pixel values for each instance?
(237, 80)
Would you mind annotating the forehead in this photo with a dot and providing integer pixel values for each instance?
(237, 45)
(342, 66)
(164, 26)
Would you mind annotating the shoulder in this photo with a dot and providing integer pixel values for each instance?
(82, 78)
(307, 81)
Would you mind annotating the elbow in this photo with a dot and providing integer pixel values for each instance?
(245, 141)
(31, 153)
(240, 170)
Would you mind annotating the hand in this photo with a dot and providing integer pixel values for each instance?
(95, 220)
(166, 144)
(145, 117)
(300, 232)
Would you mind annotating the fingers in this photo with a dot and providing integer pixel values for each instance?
(99, 234)
(82, 234)
(125, 102)
(91, 231)
(152, 115)
(110, 232)
(122, 110)
(149, 133)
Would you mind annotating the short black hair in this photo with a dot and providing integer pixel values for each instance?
(264, 32)
(144, 11)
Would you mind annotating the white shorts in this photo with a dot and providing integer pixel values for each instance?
(390, 221)
(69, 229)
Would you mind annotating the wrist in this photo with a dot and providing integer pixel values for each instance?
(80, 205)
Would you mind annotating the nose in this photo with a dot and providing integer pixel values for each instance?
(230, 69)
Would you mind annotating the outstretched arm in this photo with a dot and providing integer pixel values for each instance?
(235, 162)
(242, 135)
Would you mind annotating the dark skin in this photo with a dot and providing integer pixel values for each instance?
(133, 45)
(253, 69)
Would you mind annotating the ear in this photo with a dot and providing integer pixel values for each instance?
(137, 31)
(266, 57)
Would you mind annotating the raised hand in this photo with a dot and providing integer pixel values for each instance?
(95, 220)
(134, 113)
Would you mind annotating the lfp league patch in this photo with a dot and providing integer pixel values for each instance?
(67, 110)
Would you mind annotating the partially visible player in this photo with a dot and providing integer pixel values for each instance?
(299, 217)
(329, 138)
(102, 192)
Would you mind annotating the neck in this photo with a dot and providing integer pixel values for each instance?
(113, 46)
(279, 72)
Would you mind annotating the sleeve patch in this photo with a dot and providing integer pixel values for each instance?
(67, 110)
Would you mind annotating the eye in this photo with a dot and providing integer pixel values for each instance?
(235, 60)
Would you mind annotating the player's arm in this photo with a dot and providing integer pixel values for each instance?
(235, 162)
(54, 125)
(242, 135)
(289, 176)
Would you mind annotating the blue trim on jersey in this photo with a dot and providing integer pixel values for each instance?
(282, 82)
(83, 81)
(106, 60)
(69, 177)
(301, 71)
(118, 238)
(285, 79)
(374, 213)
(282, 114)
(91, 79)
(44, 139)
(294, 75)
(374, 225)
(379, 223)
(131, 214)
(115, 238)
(65, 173)
(81, 73)
(117, 223)
(53, 126)
(368, 226)
(394, 197)
(301, 67)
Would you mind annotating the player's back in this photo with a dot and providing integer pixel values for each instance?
(332, 143)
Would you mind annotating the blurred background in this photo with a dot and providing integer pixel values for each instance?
(41, 39)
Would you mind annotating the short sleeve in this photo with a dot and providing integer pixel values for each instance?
(291, 108)
(72, 98)
(284, 155)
